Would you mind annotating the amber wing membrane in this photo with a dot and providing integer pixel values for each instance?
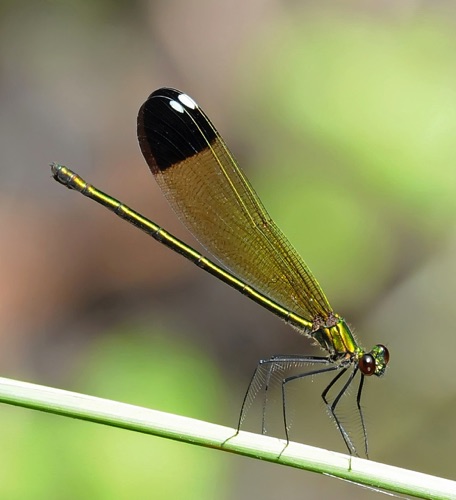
(213, 198)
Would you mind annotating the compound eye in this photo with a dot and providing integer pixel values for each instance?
(367, 364)
(386, 354)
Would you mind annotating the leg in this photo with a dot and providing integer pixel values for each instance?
(332, 406)
(261, 380)
(361, 414)
(302, 375)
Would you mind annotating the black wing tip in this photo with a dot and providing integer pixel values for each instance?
(172, 128)
(168, 92)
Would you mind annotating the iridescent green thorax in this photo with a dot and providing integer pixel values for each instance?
(335, 336)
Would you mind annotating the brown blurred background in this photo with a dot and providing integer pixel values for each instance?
(343, 117)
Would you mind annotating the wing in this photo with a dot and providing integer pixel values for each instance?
(213, 198)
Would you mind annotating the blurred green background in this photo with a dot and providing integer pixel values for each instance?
(343, 115)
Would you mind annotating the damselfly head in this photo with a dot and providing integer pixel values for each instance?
(375, 361)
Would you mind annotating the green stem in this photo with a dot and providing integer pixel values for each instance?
(135, 418)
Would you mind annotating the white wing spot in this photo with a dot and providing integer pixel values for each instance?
(187, 101)
(177, 106)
